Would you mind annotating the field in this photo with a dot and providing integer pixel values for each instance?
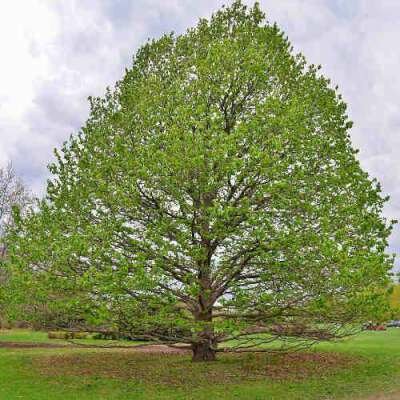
(363, 367)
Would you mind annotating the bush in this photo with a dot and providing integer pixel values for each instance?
(67, 335)
(79, 335)
(57, 335)
(106, 336)
(4, 324)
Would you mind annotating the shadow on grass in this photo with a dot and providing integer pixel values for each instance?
(178, 371)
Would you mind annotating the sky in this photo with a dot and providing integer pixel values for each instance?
(56, 53)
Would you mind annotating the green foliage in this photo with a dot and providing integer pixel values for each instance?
(214, 190)
(395, 301)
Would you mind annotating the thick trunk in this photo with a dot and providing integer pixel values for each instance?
(203, 351)
(205, 344)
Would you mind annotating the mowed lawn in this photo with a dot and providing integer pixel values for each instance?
(363, 367)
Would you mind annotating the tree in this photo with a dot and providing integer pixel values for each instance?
(395, 301)
(12, 194)
(213, 195)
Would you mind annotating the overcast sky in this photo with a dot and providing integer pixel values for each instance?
(55, 53)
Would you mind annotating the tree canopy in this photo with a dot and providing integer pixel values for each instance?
(212, 195)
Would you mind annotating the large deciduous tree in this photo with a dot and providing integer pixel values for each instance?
(213, 195)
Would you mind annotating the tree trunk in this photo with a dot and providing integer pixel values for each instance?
(203, 351)
(204, 346)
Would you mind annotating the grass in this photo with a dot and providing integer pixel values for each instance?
(352, 369)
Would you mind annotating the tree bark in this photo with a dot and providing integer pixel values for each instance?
(203, 351)
(204, 348)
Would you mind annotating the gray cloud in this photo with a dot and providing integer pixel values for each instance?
(90, 43)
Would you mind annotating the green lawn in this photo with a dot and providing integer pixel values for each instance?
(368, 364)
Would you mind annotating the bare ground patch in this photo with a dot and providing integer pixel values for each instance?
(383, 396)
(172, 367)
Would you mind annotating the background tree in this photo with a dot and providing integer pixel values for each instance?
(13, 195)
(395, 301)
(213, 195)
